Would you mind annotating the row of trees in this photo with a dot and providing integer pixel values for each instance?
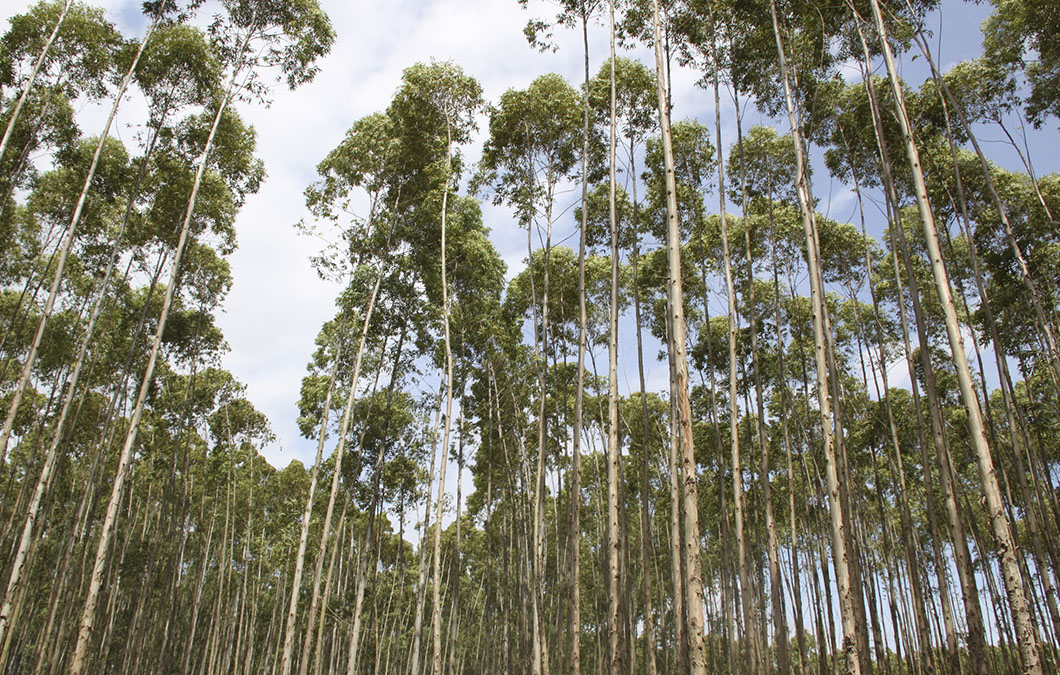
(129, 460)
(780, 508)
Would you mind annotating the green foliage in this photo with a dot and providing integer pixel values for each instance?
(535, 136)
(1022, 37)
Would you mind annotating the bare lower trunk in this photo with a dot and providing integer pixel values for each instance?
(1025, 629)
(839, 538)
(110, 519)
(614, 571)
(436, 617)
(693, 576)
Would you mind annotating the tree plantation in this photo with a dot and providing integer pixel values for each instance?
(769, 384)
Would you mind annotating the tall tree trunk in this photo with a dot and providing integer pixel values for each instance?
(749, 646)
(64, 251)
(839, 538)
(9, 130)
(336, 473)
(645, 525)
(574, 482)
(999, 522)
(614, 546)
(776, 581)
(299, 561)
(106, 533)
(436, 617)
(693, 575)
(8, 618)
(421, 590)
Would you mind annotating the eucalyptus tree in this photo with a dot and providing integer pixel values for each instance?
(988, 94)
(849, 158)
(692, 573)
(622, 93)
(753, 658)
(857, 147)
(185, 83)
(48, 204)
(67, 242)
(68, 45)
(434, 110)
(614, 543)
(823, 356)
(583, 10)
(776, 583)
(289, 37)
(363, 161)
(531, 150)
(999, 521)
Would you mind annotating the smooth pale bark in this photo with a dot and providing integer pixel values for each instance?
(786, 432)
(725, 567)
(614, 573)
(314, 475)
(910, 539)
(750, 640)
(64, 251)
(7, 616)
(988, 177)
(421, 590)
(110, 519)
(956, 528)
(574, 482)
(33, 77)
(198, 591)
(958, 537)
(1000, 525)
(436, 615)
(1019, 446)
(839, 539)
(336, 475)
(539, 646)
(693, 575)
(676, 566)
(776, 582)
(645, 525)
(360, 568)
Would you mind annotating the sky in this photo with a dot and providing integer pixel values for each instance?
(277, 302)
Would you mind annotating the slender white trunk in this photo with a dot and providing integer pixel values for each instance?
(107, 531)
(749, 634)
(33, 77)
(835, 508)
(579, 395)
(693, 576)
(436, 615)
(64, 251)
(7, 616)
(614, 570)
(336, 475)
(421, 593)
(299, 561)
(1025, 631)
